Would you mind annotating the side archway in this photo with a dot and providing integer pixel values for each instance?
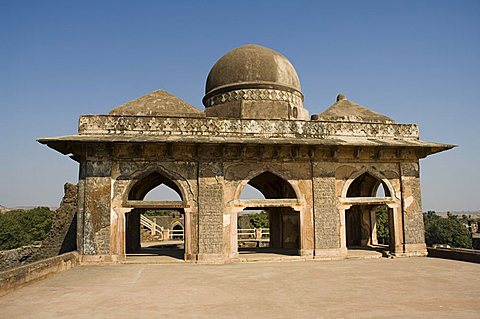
(138, 217)
(370, 218)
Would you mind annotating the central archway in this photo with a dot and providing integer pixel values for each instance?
(272, 207)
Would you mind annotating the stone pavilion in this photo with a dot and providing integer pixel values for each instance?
(321, 176)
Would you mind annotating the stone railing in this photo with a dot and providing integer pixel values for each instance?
(253, 233)
(471, 255)
(201, 126)
(18, 256)
(20, 276)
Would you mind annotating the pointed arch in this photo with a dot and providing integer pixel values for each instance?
(365, 183)
(271, 184)
(145, 180)
(144, 185)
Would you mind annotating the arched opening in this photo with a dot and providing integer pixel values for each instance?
(150, 183)
(367, 185)
(162, 193)
(267, 225)
(369, 222)
(150, 226)
(177, 232)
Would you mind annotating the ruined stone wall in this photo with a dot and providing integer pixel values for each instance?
(60, 239)
(62, 236)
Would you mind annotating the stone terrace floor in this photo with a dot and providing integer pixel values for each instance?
(352, 288)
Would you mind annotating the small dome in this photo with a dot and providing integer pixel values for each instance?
(252, 67)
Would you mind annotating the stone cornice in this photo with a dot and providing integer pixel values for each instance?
(237, 128)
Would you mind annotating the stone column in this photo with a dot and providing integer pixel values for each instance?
(327, 217)
(275, 219)
(211, 213)
(366, 231)
(373, 227)
(132, 232)
(95, 207)
(412, 210)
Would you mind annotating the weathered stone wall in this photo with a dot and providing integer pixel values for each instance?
(210, 211)
(19, 256)
(94, 202)
(412, 207)
(327, 216)
(62, 236)
(211, 177)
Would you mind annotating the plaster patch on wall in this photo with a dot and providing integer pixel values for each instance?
(408, 201)
(226, 220)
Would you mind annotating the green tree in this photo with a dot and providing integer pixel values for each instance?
(23, 227)
(259, 220)
(447, 231)
(383, 230)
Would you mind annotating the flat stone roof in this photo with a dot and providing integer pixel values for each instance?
(356, 288)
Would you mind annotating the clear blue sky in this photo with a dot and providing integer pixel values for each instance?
(415, 61)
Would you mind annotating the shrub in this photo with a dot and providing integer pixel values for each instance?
(24, 227)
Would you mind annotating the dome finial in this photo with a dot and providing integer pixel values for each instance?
(340, 97)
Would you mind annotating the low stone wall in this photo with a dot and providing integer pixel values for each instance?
(20, 276)
(17, 257)
(470, 255)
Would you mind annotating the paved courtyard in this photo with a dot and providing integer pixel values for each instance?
(356, 288)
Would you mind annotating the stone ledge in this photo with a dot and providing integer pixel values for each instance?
(160, 126)
(17, 257)
(20, 276)
(470, 255)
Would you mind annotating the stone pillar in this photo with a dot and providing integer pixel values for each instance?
(190, 234)
(412, 210)
(95, 203)
(81, 208)
(211, 210)
(373, 227)
(327, 216)
(290, 229)
(366, 231)
(395, 229)
(233, 238)
(275, 219)
(343, 227)
(132, 232)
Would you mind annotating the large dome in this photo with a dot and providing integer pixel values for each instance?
(252, 73)
(252, 65)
